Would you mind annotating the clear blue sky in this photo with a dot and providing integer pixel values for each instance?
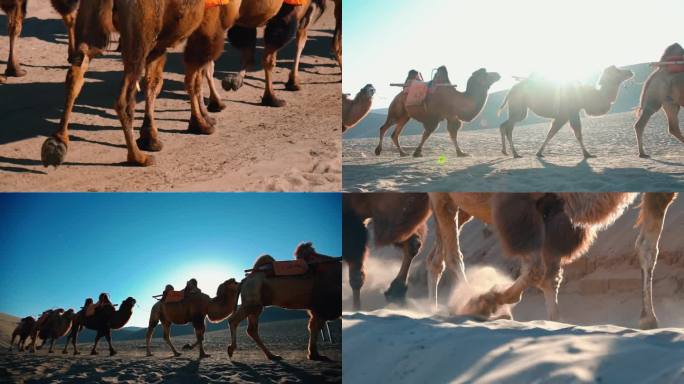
(383, 39)
(58, 249)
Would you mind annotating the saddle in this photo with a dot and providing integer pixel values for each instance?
(416, 93)
(174, 296)
(289, 268)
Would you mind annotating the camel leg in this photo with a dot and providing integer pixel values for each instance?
(397, 290)
(507, 128)
(517, 112)
(253, 332)
(125, 109)
(302, 32)
(453, 127)
(200, 327)
(672, 112)
(193, 81)
(14, 335)
(397, 132)
(15, 19)
(435, 268)
(108, 337)
(74, 339)
(151, 325)
(154, 80)
(277, 33)
(551, 282)
(651, 217)
(245, 40)
(446, 250)
(97, 341)
(167, 338)
(389, 122)
(269, 61)
(200, 95)
(354, 250)
(215, 102)
(315, 326)
(556, 125)
(639, 127)
(70, 23)
(55, 148)
(576, 125)
(233, 321)
(52, 345)
(428, 128)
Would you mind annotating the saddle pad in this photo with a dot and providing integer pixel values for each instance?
(215, 3)
(290, 268)
(295, 2)
(416, 93)
(174, 296)
(90, 310)
(675, 68)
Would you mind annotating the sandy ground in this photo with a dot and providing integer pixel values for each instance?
(600, 302)
(130, 365)
(610, 138)
(296, 148)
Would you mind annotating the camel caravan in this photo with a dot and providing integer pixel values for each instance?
(437, 100)
(147, 30)
(311, 282)
(545, 231)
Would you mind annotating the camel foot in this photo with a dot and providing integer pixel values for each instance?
(462, 154)
(53, 152)
(230, 351)
(293, 86)
(516, 156)
(272, 101)
(403, 154)
(588, 155)
(176, 354)
(112, 352)
(186, 347)
(505, 153)
(644, 156)
(142, 160)
(396, 293)
(232, 82)
(482, 306)
(77, 353)
(274, 357)
(319, 358)
(94, 352)
(15, 72)
(418, 154)
(210, 119)
(204, 355)
(149, 354)
(540, 155)
(216, 106)
(200, 129)
(147, 143)
(648, 323)
(378, 151)
(64, 352)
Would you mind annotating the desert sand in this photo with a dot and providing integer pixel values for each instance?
(611, 138)
(600, 302)
(130, 365)
(296, 148)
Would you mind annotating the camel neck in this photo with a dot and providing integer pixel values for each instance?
(478, 95)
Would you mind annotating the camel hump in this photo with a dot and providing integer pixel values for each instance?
(174, 296)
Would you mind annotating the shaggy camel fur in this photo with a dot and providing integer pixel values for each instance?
(397, 219)
(562, 103)
(319, 292)
(194, 308)
(444, 102)
(103, 321)
(354, 110)
(663, 90)
(16, 11)
(57, 324)
(546, 231)
(148, 29)
(23, 331)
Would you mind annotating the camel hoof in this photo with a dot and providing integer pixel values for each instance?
(112, 353)
(210, 120)
(462, 154)
(200, 129)
(177, 354)
(403, 154)
(149, 354)
(64, 352)
(216, 106)
(230, 352)
(204, 356)
(648, 323)
(77, 353)
(644, 156)
(589, 156)
(186, 347)
(378, 151)
(516, 156)
(540, 155)
(417, 154)
(272, 101)
(149, 144)
(142, 161)
(292, 86)
(275, 357)
(320, 358)
(232, 82)
(94, 353)
(396, 293)
(53, 152)
(15, 72)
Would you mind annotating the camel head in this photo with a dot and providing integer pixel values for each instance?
(69, 314)
(673, 50)
(304, 251)
(483, 79)
(615, 76)
(127, 304)
(368, 91)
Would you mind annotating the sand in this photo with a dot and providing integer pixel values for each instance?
(610, 138)
(130, 365)
(255, 148)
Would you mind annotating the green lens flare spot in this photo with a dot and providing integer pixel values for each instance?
(441, 160)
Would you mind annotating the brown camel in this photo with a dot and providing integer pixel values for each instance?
(56, 325)
(23, 330)
(663, 90)
(67, 9)
(398, 219)
(16, 11)
(147, 30)
(547, 231)
(443, 102)
(354, 110)
(193, 309)
(337, 37)
(103, 321)
(562, 103)
(318, 291)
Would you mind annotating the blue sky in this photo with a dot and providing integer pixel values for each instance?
(383, 39)
(58, 249)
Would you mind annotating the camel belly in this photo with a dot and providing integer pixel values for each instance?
(256, 13)
(288, 292)
(477, 205)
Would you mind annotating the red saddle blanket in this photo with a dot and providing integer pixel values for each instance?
(416, 92)
(215, 3)
(295, 2)
(290, 268)
(174, 296)
(675, 68)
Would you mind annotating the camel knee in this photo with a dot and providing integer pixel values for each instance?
(357, 278)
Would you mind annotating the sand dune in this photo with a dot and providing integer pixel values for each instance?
(296, 148)
(130, 365)
(611, 138)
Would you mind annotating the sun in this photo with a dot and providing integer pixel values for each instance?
(209, 275)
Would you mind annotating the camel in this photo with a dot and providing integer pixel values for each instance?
(355, 110)
(443, 102)
(67, 9)
(23, 330)
(663, 90)
(562, 103)
(56, 325)
(193, 309)
(16, 11)
(398, 219)
(103, 321)
(546, 231)
(319, 292)
(337, 37)
(147, 30)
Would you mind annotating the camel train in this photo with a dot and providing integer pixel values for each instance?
(545, 231)
(311, 282)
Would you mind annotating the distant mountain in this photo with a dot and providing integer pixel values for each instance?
(628, 99)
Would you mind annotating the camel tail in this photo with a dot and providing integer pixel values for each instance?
(94, 23)
(321, 6)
